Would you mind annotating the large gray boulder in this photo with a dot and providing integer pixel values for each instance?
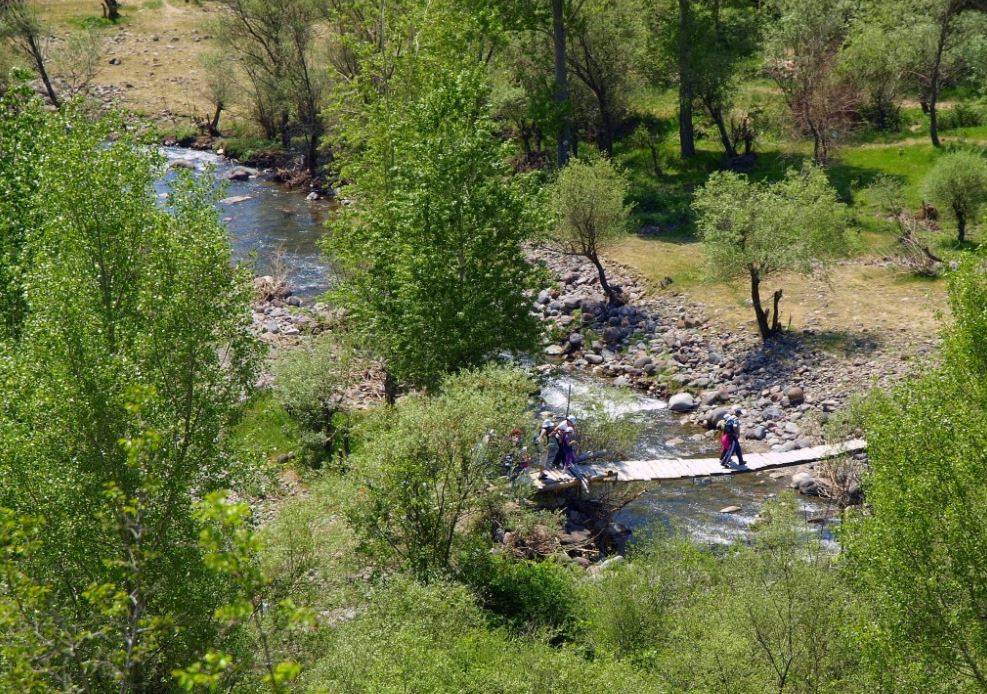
(682, 402)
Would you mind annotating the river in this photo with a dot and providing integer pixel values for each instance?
(277, 229)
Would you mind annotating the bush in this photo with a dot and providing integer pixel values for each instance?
(962, 115)
(427, 466)
(526, 596)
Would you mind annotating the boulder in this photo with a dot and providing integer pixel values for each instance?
(576, 339)
(682, 402)
(240, 173)
(714, 417)
(182, 164)
(594, 359)
(755, 434)
(795, 395)
(554, 351)
(772, 413)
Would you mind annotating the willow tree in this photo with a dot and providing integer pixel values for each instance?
(588, 204)
(754, 230)
(957, 186)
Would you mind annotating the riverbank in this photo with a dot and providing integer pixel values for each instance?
(669, 347)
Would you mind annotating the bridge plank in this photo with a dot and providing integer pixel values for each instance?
(678, 468)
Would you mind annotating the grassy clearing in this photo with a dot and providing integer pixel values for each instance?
(266, 430)
(159, 43)
(857, 295)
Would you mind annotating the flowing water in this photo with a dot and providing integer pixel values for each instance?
(272, 226)
(688, 506)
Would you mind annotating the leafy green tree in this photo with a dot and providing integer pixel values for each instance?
(119, 385)
(957, 185)
(590, 212)
(768, 617)
(922, 551)
(428, 464)
(274, 42)
(605, 46)
(939, 32)
(756, 229)
(706, 44)
(435, 275)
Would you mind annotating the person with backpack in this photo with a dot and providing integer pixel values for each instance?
(546, 445)
(730, 442)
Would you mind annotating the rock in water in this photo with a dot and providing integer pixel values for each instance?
(730, 509)
(240, 173)
(682, 402)
(234, 200)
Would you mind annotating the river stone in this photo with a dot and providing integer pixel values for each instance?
(756, 434)
(730, 509)
(772, 413)
(240, 173)
(622, 382)
(576, 537)
(182, 164)
(235, 199)
(715, 416)
(681, 402)
(554, 351)
(576, 340)
(642, 362)
(594, 359)
(613, 334)
(714, 358)
(792, 428)
(543, 297)
(809, 487)
(800, 477)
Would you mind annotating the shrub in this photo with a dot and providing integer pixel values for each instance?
(957, 185)
(526, 596)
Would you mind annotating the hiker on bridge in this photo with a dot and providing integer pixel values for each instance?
(547, 446)
(730, 441)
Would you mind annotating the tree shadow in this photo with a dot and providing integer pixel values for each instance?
(780, 359)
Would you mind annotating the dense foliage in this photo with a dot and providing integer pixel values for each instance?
(129, 355)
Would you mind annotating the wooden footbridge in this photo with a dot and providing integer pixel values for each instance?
(684, 468)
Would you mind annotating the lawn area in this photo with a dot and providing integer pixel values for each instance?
(159, 44)
(853, 296)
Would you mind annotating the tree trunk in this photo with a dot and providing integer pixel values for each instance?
(960, 224)
(214, 123)
(606, 126)
(39, 65)
(767, 325)
(390, 387)
(934, 82)
(285, 131)
(613, 298)
(111, 10)
(312, 153)
(561, 83)
(716, 113)
(687, 135)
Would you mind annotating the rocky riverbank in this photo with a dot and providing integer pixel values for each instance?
(662, 343)
(283, 321)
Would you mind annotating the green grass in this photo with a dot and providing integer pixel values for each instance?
(266, 429)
